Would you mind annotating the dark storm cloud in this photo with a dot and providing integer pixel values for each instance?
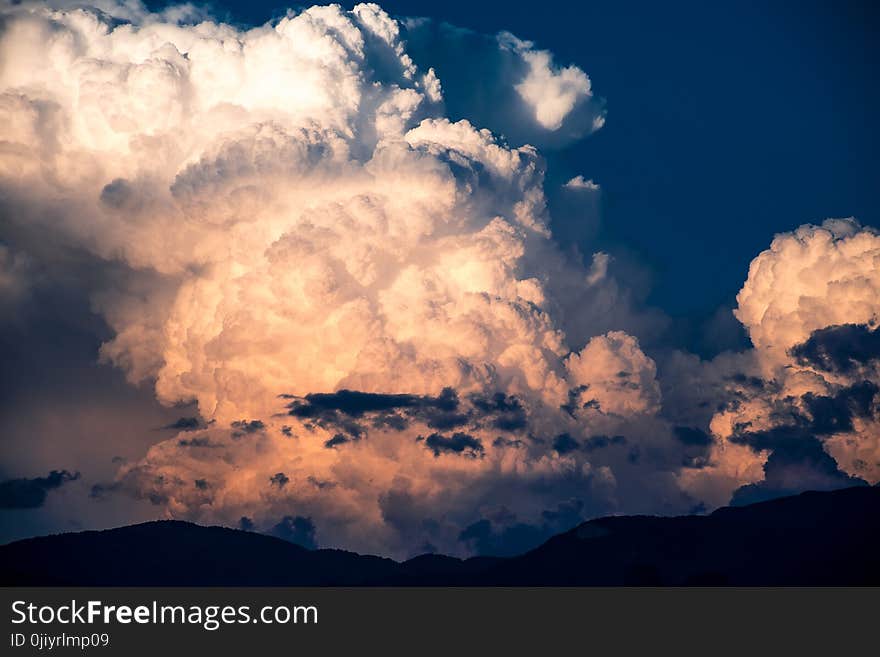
(492, 538)
(296, 529)
(794, 467)
(564, 443)
(506, 411)
(338, 439)
(185, 424)
(696, 445)
(392, 421)
(198, 441)
(458, 443)
(825, 415)
(835, 414)
(798, 460)
(343, 410)
(355, 403)
(753, 382)
(692, 436)
(31, 493)
(840, 348)
(601, 442)
(246, 524)
(573, 400)
(486, 540)
(246, 427)
(118, 193)
(351, 411)
(566, 515)
(405, 513)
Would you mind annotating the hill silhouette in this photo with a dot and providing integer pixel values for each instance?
(815, 538)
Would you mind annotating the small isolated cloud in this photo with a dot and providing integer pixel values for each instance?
(578, 183)
(550, 91)
(507, 84)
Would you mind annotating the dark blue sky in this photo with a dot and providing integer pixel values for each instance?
(727, 122)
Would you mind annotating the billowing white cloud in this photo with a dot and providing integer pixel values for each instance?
(551, 92)
(354, 278)
(811, 305)
(814, 277)
(308, 221)
(616, 375)
(507, 84)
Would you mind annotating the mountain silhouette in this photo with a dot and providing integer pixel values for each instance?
(815, 538)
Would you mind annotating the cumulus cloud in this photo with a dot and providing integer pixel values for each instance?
(552, 93)
(802, 410)
(344, 259)
(507, 83)
(355, 289)
(810, 279)
(578, 182)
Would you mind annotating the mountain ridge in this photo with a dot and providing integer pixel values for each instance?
(815, 538)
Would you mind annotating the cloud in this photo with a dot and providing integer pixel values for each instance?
(507, 84)
(802, 465)
(505, 536)
(692, 436)
(296, 529)
(839, 349)
(578, 183)
(330, 235)
(564, 443)
(551, 92)
(803, 411)
(616, 375)
(810, 279)
(31, 493)
(185, 424)
(326, 248)
(457, 443)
